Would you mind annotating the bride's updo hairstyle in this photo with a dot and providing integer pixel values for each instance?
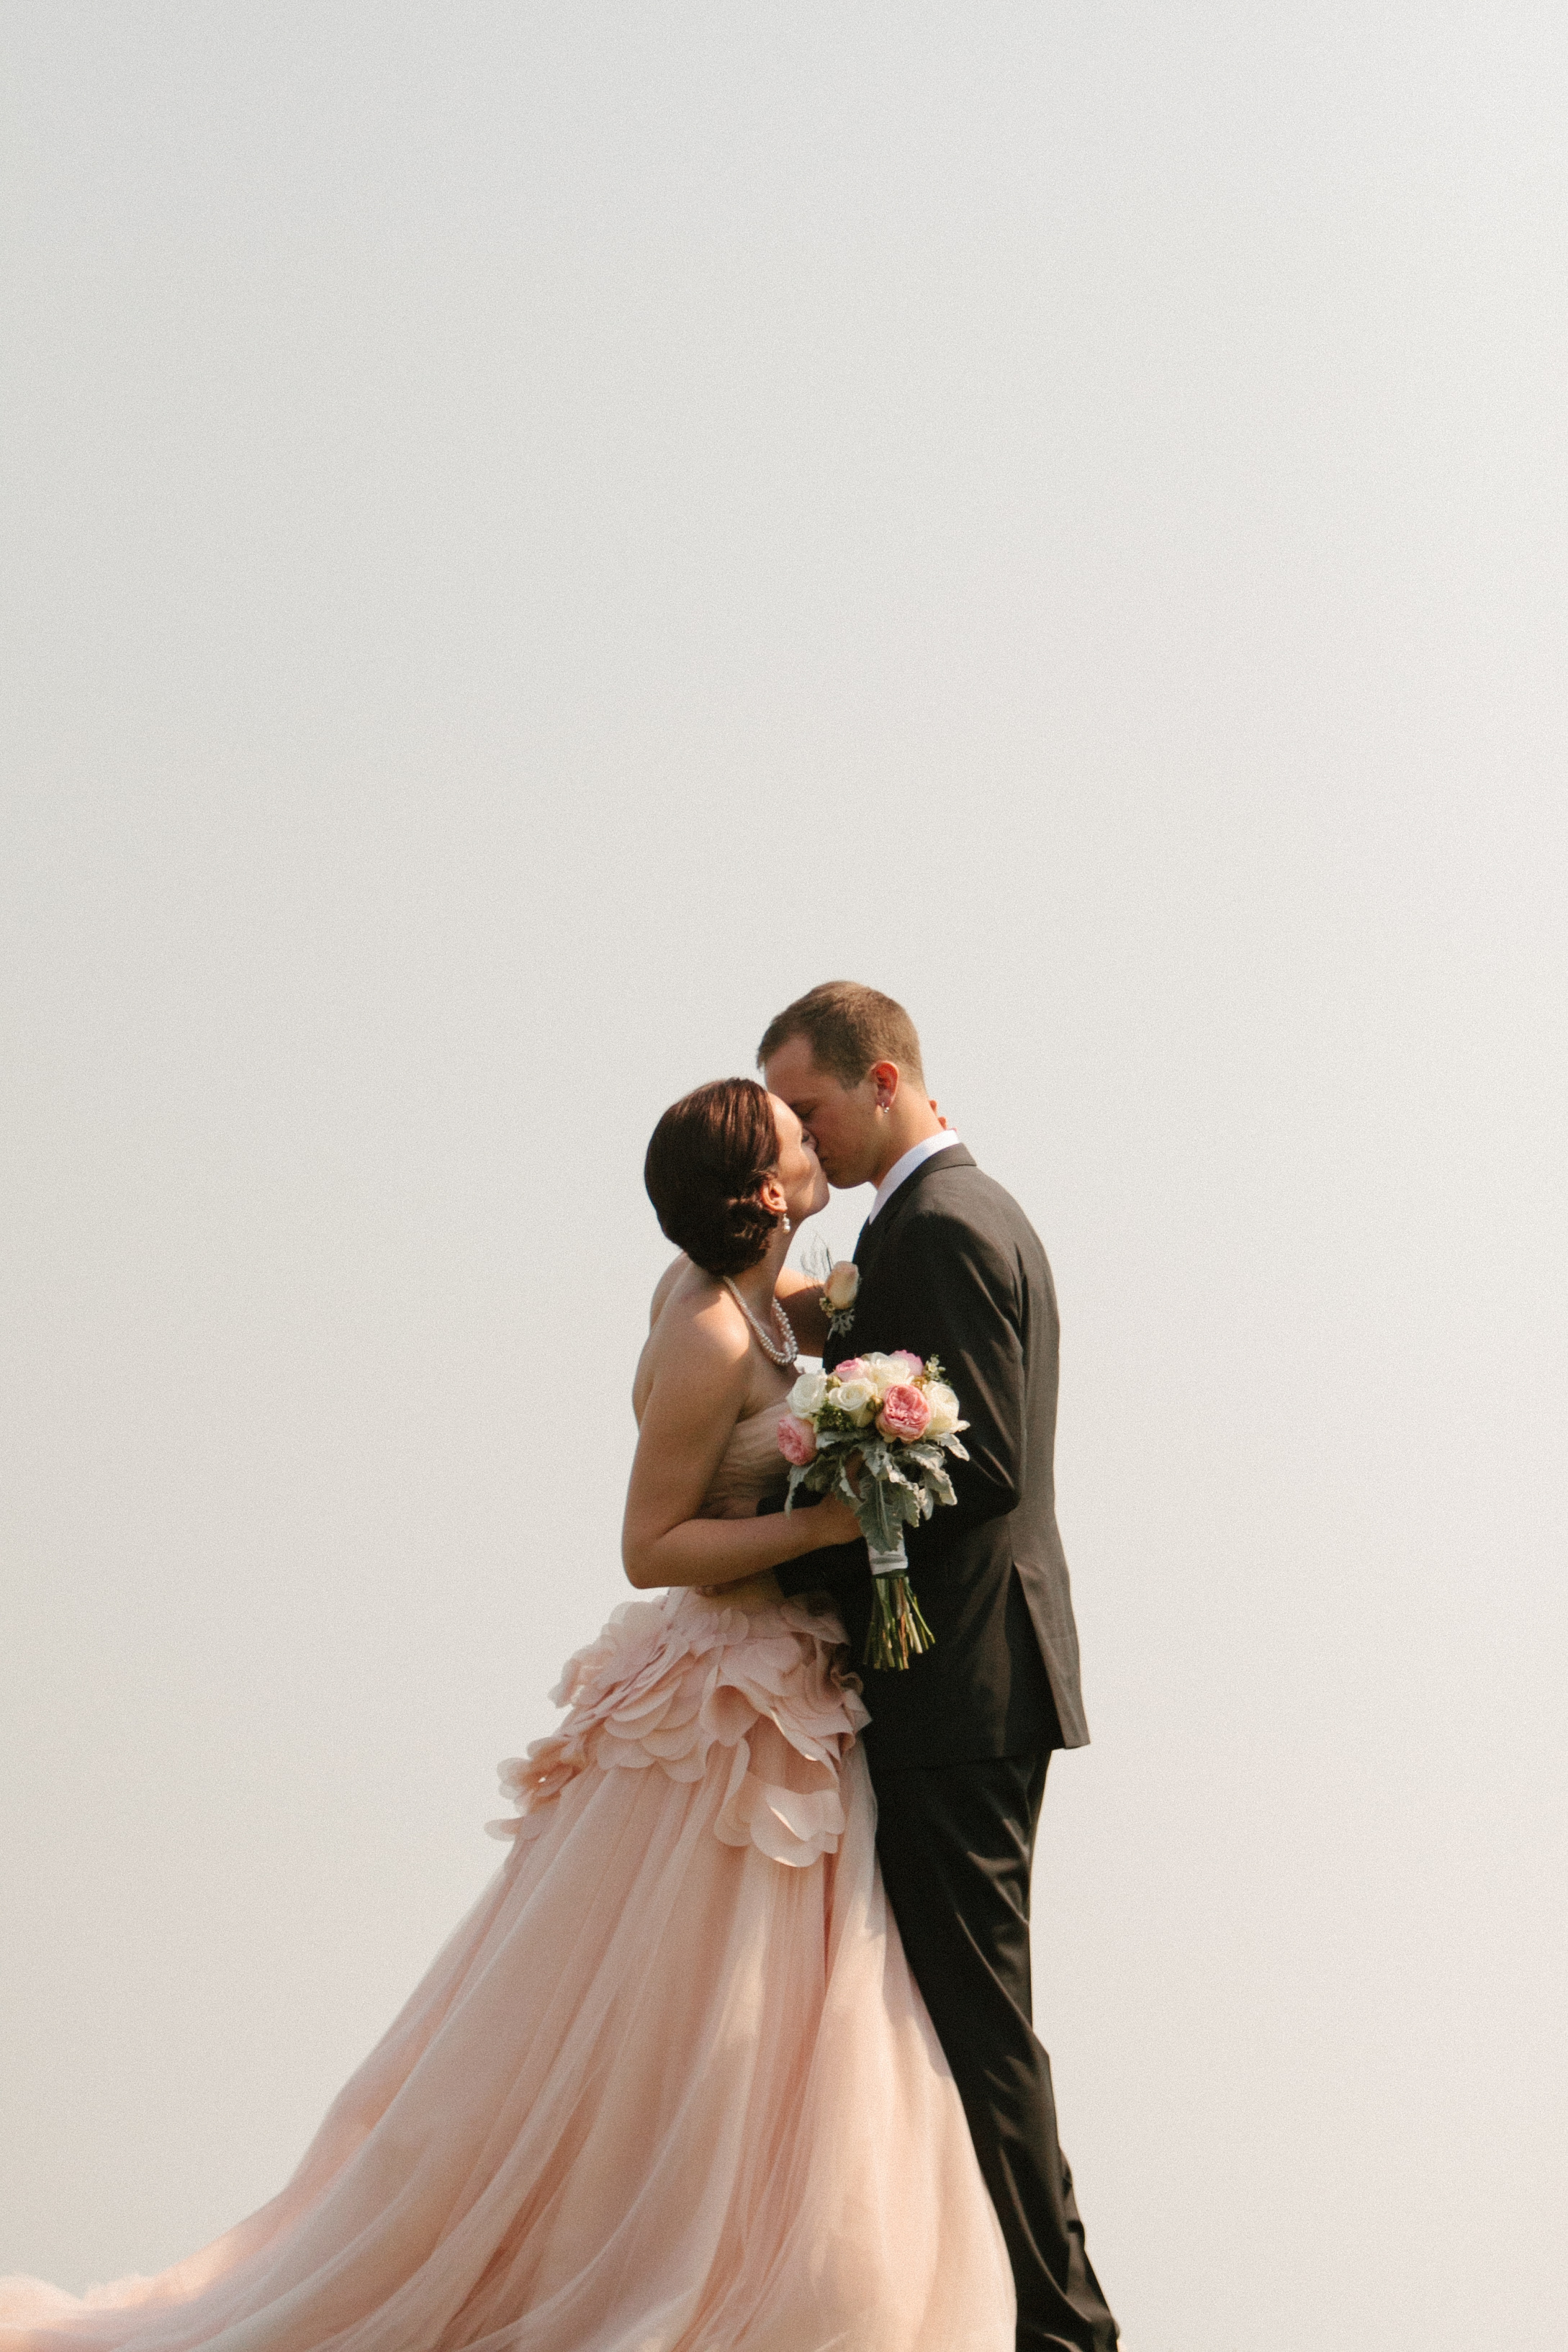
(706, 1159)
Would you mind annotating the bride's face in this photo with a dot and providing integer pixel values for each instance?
(799, 1174)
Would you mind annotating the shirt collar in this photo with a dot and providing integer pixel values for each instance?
(915, 1157)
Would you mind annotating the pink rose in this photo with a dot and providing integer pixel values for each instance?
(914, 1365)
(851, 1369)
(905, 1412)
(797, 1440)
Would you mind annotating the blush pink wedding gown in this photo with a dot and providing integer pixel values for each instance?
(669, 2088)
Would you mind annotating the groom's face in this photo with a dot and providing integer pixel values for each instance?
(840, 1121)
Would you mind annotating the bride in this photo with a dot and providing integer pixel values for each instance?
(669, 2087)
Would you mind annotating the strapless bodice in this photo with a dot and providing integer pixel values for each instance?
(752, 1467)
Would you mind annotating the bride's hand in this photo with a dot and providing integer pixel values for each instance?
(832, 1522)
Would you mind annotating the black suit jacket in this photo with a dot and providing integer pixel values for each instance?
(952, 1268)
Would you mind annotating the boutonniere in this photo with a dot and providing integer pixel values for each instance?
(840, 1289)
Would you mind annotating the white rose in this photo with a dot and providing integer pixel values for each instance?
(943, 1408)
(842, 1287)
(881, 1371)
(857, 1399)
(808, 1395)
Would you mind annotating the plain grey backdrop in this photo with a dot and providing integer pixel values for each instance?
(534, 534)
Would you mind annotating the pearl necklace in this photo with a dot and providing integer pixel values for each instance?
(791, 1348)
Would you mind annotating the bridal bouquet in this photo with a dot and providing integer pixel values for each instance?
(897, 1419)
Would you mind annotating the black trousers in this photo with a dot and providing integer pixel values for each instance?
(955, 1842)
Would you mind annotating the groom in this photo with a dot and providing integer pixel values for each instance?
(958, 1744)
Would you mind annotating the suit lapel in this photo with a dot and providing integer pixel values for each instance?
(874, 1233)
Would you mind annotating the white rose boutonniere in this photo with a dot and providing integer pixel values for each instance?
(840, 1289)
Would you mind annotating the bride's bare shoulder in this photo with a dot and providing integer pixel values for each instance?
(665, 1288)
(690, 1308)
(693, 1323)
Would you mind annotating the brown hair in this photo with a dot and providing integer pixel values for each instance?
(706, 1160)
(848, 1028)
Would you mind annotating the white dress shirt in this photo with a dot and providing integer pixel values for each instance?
(915, 1157)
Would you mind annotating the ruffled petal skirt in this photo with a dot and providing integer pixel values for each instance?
(669, 2088)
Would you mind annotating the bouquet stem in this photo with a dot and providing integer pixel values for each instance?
(898, 1631)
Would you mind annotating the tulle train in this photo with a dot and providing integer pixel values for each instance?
(669, 2088)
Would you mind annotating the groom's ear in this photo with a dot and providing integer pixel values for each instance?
(885, 1076)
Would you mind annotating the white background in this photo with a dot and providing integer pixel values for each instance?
(533, 536)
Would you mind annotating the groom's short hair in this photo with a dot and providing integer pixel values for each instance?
(848, 1028)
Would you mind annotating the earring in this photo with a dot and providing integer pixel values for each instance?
(787, 1226)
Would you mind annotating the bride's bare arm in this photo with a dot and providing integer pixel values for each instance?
(700, 1380)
